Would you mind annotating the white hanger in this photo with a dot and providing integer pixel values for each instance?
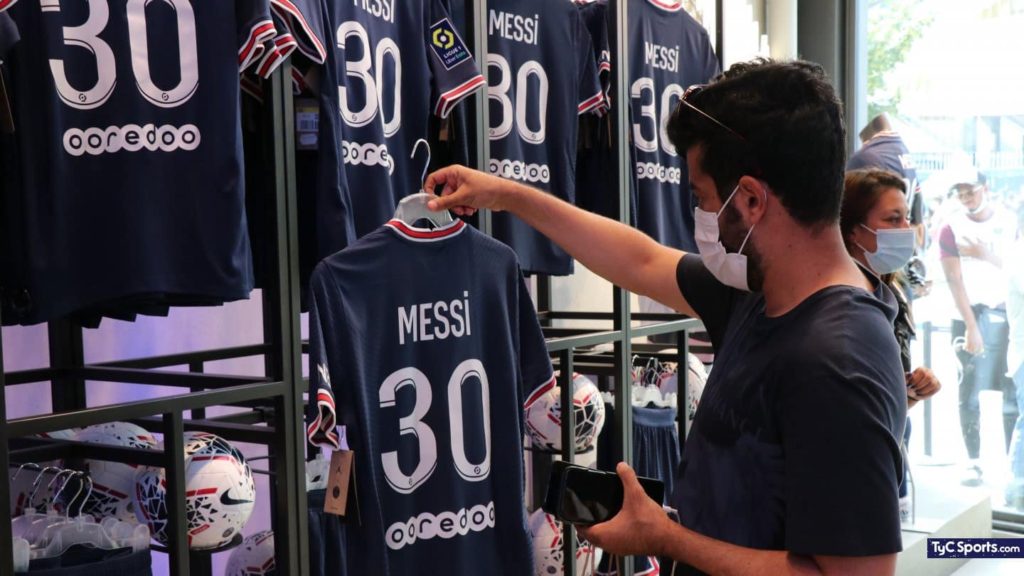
(21, 524)
(110, 534)
(414, 207)
(40, 525)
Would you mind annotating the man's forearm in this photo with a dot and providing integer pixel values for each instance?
(611, 249)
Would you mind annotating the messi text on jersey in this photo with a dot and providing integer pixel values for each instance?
(434, 320)
(663, 57)
(515, 27)
(384, 9)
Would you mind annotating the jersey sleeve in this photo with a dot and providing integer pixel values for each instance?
(8, 33)
(305, 22)
(454, 73)
(534, 362)
(277, 49)
(591, 96)
(254, 29)
(5, 4)
(325, 359)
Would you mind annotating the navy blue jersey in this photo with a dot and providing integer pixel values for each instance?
(542, 75)
(595, 16)
(125, 177)
(669, 52)
(390, 65)
(425, 345)
(886, 150)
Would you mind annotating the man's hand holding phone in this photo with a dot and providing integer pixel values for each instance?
(636, 519)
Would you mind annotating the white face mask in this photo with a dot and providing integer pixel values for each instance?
(895, 248)
(729, 268)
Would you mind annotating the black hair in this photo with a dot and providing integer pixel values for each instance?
(792, 134)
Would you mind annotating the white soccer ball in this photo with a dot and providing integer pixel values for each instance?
(698, 377)
(544, 416)
(219, 493)
(254, 557)
(548, 554)
(113, 482)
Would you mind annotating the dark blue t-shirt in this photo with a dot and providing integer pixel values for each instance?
(796, 442)
(425, 345)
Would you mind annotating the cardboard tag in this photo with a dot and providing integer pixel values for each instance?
(341, 485)
(6, 116)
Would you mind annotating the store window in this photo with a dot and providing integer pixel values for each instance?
(947, 77)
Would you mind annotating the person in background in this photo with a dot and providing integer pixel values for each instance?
(1015, 317)
(972, 246)
(878, 235)
(883, 147)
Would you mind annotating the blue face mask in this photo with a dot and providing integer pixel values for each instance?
(895, 248)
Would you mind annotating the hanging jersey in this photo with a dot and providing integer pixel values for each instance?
(542, 76)
(595, 14)
(124, 179)
(389, 66)
(670, 51)
(425, 345)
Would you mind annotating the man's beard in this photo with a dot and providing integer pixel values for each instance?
(732, 233)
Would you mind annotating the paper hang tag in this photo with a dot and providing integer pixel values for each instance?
(341, 486)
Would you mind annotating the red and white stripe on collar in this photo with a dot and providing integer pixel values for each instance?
(426, 234)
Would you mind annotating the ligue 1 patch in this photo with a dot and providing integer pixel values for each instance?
(447, 44)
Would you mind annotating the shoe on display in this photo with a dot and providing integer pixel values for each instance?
(972, 475)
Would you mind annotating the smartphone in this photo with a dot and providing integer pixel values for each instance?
(585, 496)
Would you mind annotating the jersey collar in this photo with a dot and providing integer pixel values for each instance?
(426, 234)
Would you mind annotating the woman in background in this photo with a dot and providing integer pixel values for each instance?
(877, 233)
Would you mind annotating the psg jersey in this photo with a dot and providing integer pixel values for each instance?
(124, 177)
(390, 65)
(425, 345)
(669, 52)
(542, 75)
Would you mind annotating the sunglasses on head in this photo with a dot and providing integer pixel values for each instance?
(697, 89)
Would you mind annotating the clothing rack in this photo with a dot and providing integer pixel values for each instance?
(274, 400)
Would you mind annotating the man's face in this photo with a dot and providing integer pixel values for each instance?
(970, 195)
(732, 230)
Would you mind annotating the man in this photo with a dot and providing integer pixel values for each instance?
(1015, 318)
(882, 147)
(793, 460)
(971, 248)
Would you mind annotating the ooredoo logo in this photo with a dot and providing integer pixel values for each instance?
(131, 138)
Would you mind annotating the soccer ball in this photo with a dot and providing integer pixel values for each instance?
(544, 416)
(548, 555)
(698, 377)
(219, 493)
(113, 482)
(255, 557)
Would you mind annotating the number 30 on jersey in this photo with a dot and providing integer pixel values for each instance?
(413, 424)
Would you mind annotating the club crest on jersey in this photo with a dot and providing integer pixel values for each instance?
(447, 45)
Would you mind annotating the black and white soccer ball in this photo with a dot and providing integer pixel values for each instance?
(254, 557)
(544, 416)
(548, 553)
(219, 493)
(114, 482)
